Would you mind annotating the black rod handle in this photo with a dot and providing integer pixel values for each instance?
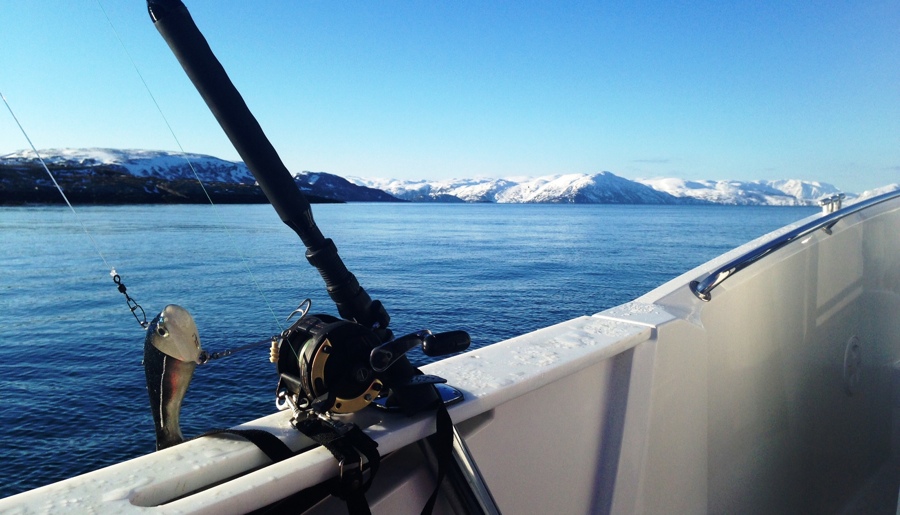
(174, 23)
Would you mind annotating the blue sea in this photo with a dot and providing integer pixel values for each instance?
(72, 391)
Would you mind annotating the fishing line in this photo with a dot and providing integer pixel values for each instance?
(165, 119)
(132, 305)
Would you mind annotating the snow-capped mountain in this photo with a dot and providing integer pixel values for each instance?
(100, 175)
(124, 176)
(597, 188)
(607, 188)
(770, 193)
(141, 163)
(334, 187)
(875, 192)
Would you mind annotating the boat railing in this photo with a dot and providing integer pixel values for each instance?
(702, 288)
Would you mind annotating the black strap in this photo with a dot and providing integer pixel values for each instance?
(349, 486)
(442, 445)
(346, 442)
(268, 443)
(343, 444)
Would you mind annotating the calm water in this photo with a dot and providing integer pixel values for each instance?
(72, 393)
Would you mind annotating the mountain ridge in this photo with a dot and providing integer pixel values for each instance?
(101, 175)
(133, 176)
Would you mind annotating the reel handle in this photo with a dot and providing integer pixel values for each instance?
(440, 344)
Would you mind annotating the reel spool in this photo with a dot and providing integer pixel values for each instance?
(324, 361)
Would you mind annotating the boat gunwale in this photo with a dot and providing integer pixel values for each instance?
(703, 288)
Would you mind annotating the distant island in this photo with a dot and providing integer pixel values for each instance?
(112, 176)
(108, 176)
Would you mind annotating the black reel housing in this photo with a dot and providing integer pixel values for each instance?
(327, 363)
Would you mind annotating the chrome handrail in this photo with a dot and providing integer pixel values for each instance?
(703, 288)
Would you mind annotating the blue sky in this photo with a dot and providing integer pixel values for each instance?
(428, 90)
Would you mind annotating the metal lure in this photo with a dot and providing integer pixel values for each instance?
(171, 351)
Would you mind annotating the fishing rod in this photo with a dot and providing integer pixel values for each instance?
(174, 23)
(342, 365)
(327, 366)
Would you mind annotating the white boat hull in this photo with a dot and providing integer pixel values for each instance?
(780, 394)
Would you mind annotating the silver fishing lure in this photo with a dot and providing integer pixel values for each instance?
(171, 353)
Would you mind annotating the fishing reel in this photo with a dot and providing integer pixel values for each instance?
(334, 366)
